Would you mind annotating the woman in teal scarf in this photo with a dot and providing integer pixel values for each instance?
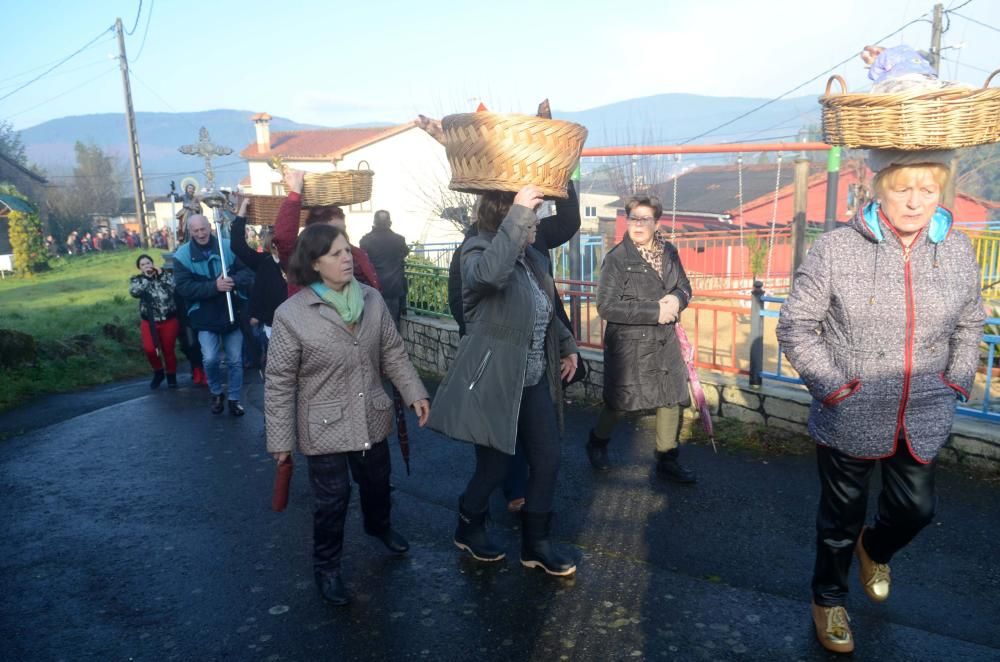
(330, 345)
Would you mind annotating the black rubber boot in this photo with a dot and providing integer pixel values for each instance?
(218, 403)
(537, 551)
(235, 408)
(157, 379)
(597, 452)
(668, 466)
(394, 542)
(471, 536)
(332, 588)
(171, 380)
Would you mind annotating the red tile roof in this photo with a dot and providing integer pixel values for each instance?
(320, 144)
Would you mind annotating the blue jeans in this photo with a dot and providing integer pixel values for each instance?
(212, 347)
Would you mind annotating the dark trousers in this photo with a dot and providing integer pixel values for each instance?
(905, 506)
(536, 431)
(332, 491)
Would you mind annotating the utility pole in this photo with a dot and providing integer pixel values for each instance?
(937, 29)
(133, 139)
(800, 203)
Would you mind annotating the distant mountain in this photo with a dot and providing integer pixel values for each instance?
(660, 119)
(50, 144)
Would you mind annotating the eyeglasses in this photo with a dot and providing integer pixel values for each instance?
(641, 220)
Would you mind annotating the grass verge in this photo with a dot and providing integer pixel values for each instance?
(84, 322)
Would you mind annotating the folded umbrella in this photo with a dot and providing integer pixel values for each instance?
(282, 480)
(696, 390)
(404, 436)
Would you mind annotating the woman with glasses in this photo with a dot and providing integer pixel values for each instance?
(641, 294)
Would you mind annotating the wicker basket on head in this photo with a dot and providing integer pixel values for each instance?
(338, 188)
(505, 152)
(948, 118)
(263, 210)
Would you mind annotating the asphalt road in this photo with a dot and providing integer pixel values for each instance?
(136, 526)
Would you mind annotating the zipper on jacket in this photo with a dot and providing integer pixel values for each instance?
(908, 347)
(481, 369)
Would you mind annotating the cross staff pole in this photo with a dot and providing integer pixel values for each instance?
(216, 216)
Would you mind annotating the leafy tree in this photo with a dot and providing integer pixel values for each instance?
(95, 188)
(11, 145)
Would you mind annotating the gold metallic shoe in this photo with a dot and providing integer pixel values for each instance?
(833, 629)
(875, 578)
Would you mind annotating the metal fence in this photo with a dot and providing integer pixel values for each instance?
(986, 410)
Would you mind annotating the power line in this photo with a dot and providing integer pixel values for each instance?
(136, 24)
(972, 20)
(798, 87)
(62, 94)
(969, 66)
(64, 72)
(149, 17)
(55, 66)
(165, 102)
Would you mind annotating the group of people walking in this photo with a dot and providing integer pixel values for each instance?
(883, 324)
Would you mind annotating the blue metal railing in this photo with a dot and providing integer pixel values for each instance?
(990, 340)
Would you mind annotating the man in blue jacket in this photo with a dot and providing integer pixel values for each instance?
(199, 281)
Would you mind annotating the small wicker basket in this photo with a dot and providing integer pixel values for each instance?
(338, 188)
(943, 119)
(505, 152)
(263, 210)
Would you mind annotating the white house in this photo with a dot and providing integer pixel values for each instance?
(411, 173)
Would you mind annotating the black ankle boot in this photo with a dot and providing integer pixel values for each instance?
(157, 379)
(332, 588)
(171, 380)
(537, 551)
(597, 452)
(471, 536)
(394, 542)
(668, 466)
(235, 408)
(218, 403)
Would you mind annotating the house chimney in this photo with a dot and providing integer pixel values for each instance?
(262, 125)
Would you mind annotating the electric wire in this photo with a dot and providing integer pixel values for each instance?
(136, 24)
(58, 64)
(800, 86)
(980, 23)
(145, 33)
(64, 93)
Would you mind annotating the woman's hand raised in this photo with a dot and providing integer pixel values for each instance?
(530, 196)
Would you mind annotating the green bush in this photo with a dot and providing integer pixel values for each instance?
(30, 255)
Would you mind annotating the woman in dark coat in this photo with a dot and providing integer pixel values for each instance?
(641, 294)
(504, 387)
(883, 325)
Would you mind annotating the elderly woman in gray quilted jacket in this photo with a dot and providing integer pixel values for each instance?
(883, 324)
(330, 345)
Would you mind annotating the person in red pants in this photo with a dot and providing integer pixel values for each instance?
(159, 326)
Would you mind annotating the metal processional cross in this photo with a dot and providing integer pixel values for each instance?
(206, 149)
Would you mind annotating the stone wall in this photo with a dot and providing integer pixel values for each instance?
(432, 344)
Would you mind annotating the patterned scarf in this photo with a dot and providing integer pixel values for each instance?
(653, 254)
(349, 304)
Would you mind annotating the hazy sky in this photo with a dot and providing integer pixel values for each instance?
(337, 62)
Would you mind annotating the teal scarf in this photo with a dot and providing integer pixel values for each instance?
(349, 304)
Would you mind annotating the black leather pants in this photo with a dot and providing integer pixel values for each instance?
(905, 506)
(328, 475)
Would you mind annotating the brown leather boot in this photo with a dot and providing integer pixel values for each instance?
(875, 579)
(833, 629)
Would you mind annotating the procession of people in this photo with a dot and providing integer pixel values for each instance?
(883, 323)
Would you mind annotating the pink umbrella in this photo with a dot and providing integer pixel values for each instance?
(696, 390)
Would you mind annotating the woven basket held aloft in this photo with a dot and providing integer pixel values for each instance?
(263, 210)
(505, 152)
(943, 119)
(339, 188)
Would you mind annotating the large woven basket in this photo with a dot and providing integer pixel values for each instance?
(263, 210)
(339, 188)
(505, 152)
(943, 119)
